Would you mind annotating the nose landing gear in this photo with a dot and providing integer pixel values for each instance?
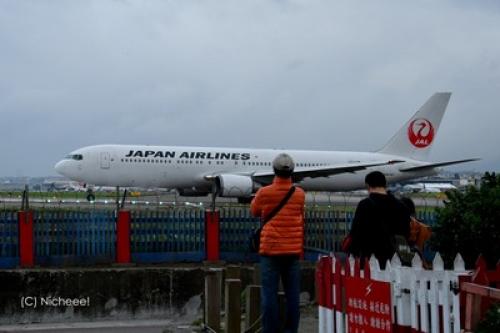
(90, 195)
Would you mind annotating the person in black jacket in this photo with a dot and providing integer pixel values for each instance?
(377, 220)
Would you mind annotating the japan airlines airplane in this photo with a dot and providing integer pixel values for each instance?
(239, 172)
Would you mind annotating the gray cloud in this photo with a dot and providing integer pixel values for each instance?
(283, 74)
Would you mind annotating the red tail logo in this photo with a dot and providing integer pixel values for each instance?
(420, 133)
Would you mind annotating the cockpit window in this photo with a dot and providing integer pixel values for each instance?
(76, 157)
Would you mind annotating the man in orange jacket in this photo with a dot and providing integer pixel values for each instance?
(281, 244)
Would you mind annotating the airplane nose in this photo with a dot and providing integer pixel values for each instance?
(61, 167)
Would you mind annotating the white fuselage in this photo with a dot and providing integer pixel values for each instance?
(186, 167)
(239, 172)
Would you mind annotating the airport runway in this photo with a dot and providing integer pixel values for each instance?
(165, 201)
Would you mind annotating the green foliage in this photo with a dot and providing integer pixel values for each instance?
(469, 223)
(491, 322)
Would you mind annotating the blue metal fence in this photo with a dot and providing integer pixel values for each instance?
(166, 236)
(74, 237)
(236, 226)
(324, 231)
(88, 237)
(9, 250)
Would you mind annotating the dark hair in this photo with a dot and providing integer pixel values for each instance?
(409, 204)
(283, 173)
(375, 179)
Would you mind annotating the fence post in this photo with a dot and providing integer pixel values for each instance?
(472, 311)
(233, 272)
(337, 288)
(463, 276)
(212, 228)
(256, 274)
(123, 237)
(213, 281)
(320, 295)
(252, 317)
(325, 293)
(25, 238)
(233, 305)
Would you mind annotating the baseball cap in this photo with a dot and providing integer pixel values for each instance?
(283, 162)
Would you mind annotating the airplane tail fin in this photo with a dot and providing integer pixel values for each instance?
(415, 138)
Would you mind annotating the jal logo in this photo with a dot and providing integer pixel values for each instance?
(420, 133)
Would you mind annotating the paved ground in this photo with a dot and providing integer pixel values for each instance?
(142, 326)
(309, 319)
(308, 323)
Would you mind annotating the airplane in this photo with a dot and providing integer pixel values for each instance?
(428, 187)
(239, 172)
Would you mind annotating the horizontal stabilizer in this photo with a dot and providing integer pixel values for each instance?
(437, 165)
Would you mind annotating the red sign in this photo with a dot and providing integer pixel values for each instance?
(421, 133)
(368, 305)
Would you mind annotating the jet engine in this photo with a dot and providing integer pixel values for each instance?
(235, 186)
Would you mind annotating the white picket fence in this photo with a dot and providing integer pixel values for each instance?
(422, 300)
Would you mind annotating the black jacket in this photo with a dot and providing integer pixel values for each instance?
(377, 219)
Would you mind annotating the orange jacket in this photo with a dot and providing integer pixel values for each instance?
(284, 233)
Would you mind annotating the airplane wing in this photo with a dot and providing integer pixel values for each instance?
(299, 174)
(437, 165)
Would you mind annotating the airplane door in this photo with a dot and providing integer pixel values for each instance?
(105, 160)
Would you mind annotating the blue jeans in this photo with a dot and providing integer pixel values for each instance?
(272, 268)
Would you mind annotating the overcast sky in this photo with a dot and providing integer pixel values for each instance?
(321, 74)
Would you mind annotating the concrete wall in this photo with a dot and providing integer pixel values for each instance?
(173, 292)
